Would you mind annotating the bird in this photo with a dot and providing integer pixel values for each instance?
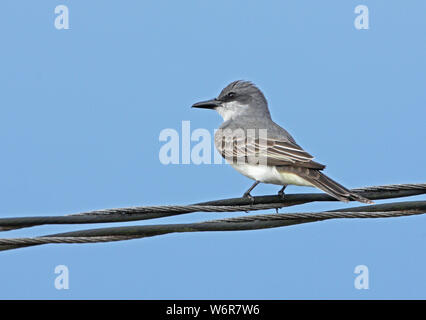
(273, 157)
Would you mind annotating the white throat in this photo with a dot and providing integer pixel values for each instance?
(230, 110)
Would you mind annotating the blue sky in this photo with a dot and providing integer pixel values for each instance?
(81, 111)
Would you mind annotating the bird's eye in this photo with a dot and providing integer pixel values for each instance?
(231, 95)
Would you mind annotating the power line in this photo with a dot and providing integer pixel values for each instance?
(252, 222)
(224, 205)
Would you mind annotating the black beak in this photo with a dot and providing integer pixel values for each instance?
(209, 104)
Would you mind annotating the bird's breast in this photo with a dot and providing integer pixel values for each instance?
(269, 174)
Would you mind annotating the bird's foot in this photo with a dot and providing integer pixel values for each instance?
(281, 193)
(247, 193)
(248, 196)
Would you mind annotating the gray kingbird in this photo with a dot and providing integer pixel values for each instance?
(243, 107)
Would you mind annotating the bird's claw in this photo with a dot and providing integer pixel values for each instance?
(249, 196)
(281, 193)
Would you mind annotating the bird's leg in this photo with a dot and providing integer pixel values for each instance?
(281, 192)
(247, 193)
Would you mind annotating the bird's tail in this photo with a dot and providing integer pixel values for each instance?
(328, 185)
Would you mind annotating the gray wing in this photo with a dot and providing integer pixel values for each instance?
(277, 152)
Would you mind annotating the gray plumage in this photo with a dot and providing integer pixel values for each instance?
(244, 107)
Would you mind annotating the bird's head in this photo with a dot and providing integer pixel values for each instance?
(239, 98)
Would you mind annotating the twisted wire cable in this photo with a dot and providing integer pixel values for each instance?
(251, 222)
(224, 205)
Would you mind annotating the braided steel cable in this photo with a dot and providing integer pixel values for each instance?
(252, 222)
(224, 205)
